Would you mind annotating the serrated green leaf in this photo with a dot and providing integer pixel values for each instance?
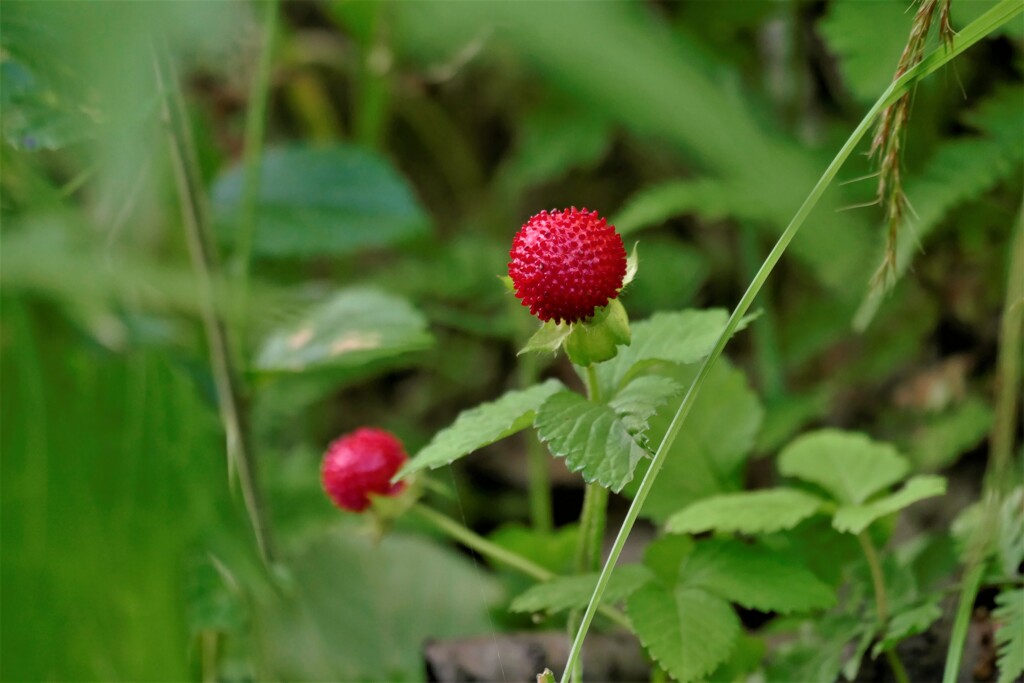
(687, 631)
(856, 518)
(848, 465)
(354, 328)
(714, 442)
(549, 338)
(907, 623)
(481, 426)
(334, 200)
(749, 512)
(574, 592)
(677, 337)
(639, 400)
(754, 577)
(1009, 615)
(591, 438)
(664, 555)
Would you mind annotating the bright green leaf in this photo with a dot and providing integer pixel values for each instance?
(664, 555)
(755, 577)
(856, 518)
(848, 465)
(481, 426)
(687, 631)
(1009, 615)
(748, 512)
(549, 337)
(353, 329)
(640, 400)
(553, 550)
(334, 200)
(574, 592)
(591, 437)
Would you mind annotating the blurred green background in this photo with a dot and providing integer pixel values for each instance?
(405, 144)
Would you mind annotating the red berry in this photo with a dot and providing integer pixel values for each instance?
(567, 263)
(359, 464)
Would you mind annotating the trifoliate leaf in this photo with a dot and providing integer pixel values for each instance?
(640, 399)
(754, 576)
(574, 592)
(1009, 617)
(855, 518)
(591, 437)
(483, 425)
(749, 512)
(848, 465)
(688, 631)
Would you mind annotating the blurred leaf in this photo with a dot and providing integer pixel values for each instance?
(938, 443)
(574, 592)
(673, 272)
(1009, 615)
(591, 437)
(907, 623)
(817, 650)
(868, 38)
(714, 442)
(639, 400)
(658, 203)
(745, 658)
(856, 518)
(35, 115)
(554, 550)
(848, 465)
(361, 609)
(687, 631)
(354, 328)
(664, 555)
(330, 201)
(483, 425)
(749, 512)
(786, 415)
(754, 577)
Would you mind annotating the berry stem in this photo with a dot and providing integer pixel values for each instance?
(495, 552)
(988, 22)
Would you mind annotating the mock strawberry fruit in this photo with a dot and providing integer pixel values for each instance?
(567, 263)
(359, 464)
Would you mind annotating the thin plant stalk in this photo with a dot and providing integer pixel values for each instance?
(537, 462)
(962, 621)
(255, 132)
(881, 603)
(988, 22)
(197, 232)
(495, 552)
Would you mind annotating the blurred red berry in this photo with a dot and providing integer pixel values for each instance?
(567, 263)
(361, 463)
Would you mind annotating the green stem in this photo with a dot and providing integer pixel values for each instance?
(495, 552)
(255, 128)
(997, 16)
(881, 603)
(1008, 365)
(194, 215)
(537, 462)
(962, 622)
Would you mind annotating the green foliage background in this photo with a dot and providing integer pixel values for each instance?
(405, 143)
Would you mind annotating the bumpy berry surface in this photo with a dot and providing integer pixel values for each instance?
(359, 464)
(567, 263)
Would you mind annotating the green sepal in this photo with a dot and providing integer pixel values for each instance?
(549, 337)
(597, 339)
(632, 265)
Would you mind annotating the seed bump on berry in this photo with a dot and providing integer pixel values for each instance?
(361, 463)
(564, 264)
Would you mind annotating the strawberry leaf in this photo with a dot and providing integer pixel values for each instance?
(591, 437)
(856, 518)
(574, 592)
(641, 399)
(688, 631)
(482, 426)
(749, 512)
(848, 465)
